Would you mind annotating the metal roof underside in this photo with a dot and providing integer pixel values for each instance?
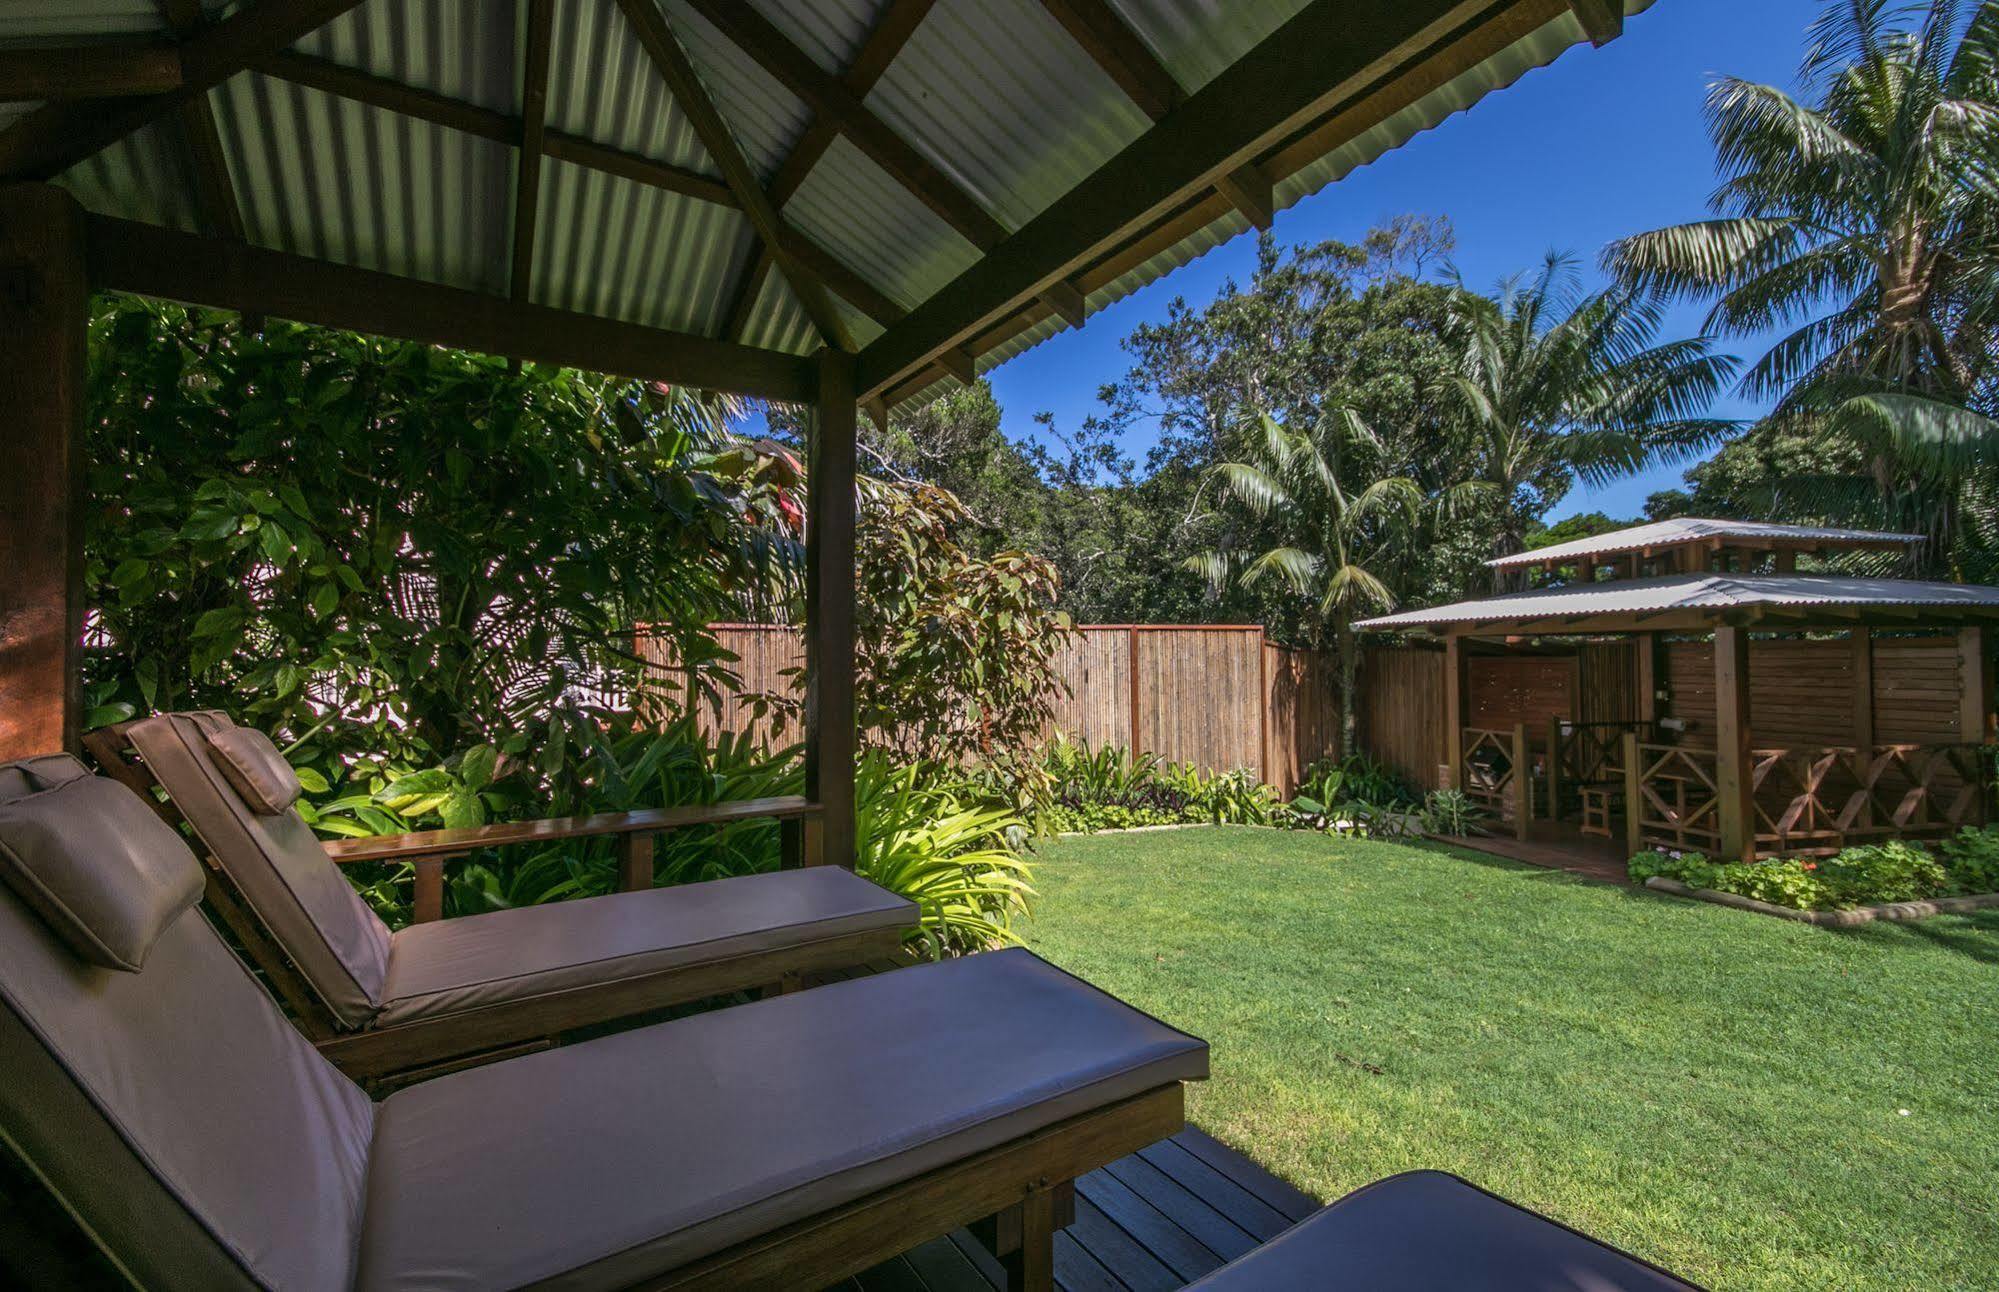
(1689, 529)
(1710, 593)
(993, 94)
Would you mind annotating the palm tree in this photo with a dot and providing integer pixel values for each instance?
(1863, 222)
(1326, 531)
(1555, 385)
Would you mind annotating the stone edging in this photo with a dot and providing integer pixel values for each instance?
(1831, 919)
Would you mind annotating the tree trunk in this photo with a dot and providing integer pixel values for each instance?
(1349, 667)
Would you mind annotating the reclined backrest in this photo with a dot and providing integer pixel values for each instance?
(173, 1109)
(205, 763)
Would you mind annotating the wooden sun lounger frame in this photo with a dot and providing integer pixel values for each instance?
(427, 1047)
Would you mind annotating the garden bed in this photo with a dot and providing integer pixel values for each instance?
(1832, 919)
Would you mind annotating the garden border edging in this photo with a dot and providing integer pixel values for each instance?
(1831, 919)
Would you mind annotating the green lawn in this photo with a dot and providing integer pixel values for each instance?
(1718, 1091)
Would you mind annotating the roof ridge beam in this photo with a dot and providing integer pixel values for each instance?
(534, 120)
(99, 71)
(774, 51)
(673, 65)
(55, 137)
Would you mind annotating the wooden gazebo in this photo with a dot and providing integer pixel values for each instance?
(1685, 685)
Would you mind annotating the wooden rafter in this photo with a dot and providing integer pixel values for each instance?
(56, 136)
(774, 51)
(672, 63)
(221, 213)
(87, 72)
(1373, 77)
(1602, 20)
(890, 33)
(125, 255)
(1124, 56)
(534, 114)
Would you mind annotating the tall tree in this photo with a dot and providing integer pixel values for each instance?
(1555, 385)
(1862, 220)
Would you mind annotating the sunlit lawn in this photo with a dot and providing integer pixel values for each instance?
(1720, 1092)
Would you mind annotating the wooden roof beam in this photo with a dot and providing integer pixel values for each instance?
(1602, 20)
(129, 256)
(55, 137)
(527, 163)
(890, 33)
(674, 67)
(100, 71)
(1327, 55)
(834, 102)
(215, 191)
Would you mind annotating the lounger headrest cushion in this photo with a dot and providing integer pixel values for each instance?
(94, 861)
(256, 769)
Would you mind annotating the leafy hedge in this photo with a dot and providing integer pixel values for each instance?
(1865, 875)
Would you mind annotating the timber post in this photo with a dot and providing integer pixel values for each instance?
(1974, 686)
(1555, 768)
(831, 736)
(44, 311)
(1734, 785)
(1634, 790)
(1523, 783)
(1455, 690)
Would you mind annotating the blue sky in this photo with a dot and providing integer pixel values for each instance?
(1603, 143)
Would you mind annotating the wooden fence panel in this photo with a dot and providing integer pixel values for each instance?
(1803, 691)
(1917, 690)
(1198, 696)
(1303, 713)
(1094, 708)
(1400, 706)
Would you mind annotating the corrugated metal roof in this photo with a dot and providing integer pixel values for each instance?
(1690, 529)
(993, 93)
(1707, 592)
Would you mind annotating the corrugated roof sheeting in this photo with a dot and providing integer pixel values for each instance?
(1686, 529)
(831, 31)
(1003, 101)
(851, 207)
(603, 86)
(463, 51)
(765, 118)
(68, 19)
(337, 180)
(143, 176)
(1197, 39)
(1715, 592)
(624, 250)
(779, 322)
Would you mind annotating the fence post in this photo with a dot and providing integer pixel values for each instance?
(1523, 783)
(1634, 788)
(1131, 666)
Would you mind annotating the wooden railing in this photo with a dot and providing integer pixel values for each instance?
(1817, 801)
(1584, 755)
(1498, 773)
(1672, 798)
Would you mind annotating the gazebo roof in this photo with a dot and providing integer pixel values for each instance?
(1688, 530)
(1701, 600)
(935, 185)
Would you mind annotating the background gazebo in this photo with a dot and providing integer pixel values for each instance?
(1684, 685)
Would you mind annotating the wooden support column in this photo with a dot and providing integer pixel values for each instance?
(1974, 681)
(831, 744)
(1647, 645)
(1456, 693)
(1523, 783)
(1634, 792)
(44, 306)
(1555, 768)
(1731, 744)
(634, 862)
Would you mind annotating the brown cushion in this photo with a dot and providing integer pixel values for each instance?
(1426, 1230)
(607, 1163)
(276, 862)
(176, 1112)
(505, 956)
(99, 865)
(255, 767)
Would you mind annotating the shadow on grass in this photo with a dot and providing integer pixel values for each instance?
(1511, 865)
(1975, 935)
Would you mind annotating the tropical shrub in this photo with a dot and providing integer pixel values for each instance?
(921, 835)
(1451, 812)
(1110, 788)
(1866, 875)
(1896, 871)
(1971, 859)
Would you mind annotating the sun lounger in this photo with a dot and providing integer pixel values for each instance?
(202, 1142)
(379, 1002)
(1424, 1231)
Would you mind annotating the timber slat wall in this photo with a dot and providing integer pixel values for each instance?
(1400, 704)
(1220, 697)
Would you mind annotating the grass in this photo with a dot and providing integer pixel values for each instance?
(1718, 1091)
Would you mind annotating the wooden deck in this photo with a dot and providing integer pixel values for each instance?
(1554, 844)
(1152, 1222)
